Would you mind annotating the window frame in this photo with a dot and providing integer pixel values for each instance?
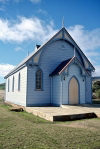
(8, 84)
(13, 83)
(19, 80)
(37, 79)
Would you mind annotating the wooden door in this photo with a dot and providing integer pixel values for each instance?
(73, 91)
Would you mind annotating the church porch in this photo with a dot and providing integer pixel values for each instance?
(66, 112)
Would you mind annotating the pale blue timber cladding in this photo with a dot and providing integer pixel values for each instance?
(74, 70)
(35, 97)
(51, 56)
(17, 97)
(56, 90)
(88, 89)
(61, 86)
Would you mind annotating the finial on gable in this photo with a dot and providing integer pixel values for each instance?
(63, 22)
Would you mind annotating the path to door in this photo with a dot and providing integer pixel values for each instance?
(66, 112)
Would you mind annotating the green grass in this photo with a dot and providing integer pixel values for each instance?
(21, 130)
(2, 86)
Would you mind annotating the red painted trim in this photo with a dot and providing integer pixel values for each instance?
(66, 65)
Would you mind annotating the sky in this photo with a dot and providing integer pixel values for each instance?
(25, 23)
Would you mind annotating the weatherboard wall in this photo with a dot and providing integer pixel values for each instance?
(56, 97)
(17, 97)
(89, 90)
(36, 97)
(51, 56)
(61, 86)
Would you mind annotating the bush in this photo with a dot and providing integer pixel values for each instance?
(2, 86)
(96, 86)
(94, 96)
(97, 93)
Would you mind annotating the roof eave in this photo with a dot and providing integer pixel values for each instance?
(14, 71)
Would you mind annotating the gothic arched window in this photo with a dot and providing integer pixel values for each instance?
(39, 79)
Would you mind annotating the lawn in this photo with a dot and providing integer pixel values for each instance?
(26, 131)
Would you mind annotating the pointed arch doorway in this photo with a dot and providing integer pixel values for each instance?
(73, 91)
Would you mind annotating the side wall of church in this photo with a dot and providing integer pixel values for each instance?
(14, 95)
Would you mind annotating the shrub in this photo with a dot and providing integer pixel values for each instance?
(94, 96)
(96, 86)
(97, 93)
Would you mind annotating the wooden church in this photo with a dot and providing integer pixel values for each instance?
(56, 73)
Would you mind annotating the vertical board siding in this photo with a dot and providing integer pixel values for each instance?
(51, 56)
(88, 90)
(75, 71)
(36, 97)
(56, 92)
(17, 97)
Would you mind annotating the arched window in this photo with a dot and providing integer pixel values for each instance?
(39, 79)
(8, 85)
(13, 84)
(19, 82)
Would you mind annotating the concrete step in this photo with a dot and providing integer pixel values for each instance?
(74, 117)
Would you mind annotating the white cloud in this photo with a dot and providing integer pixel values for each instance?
(26, 29)
(37, 29)
(87, 40)
(5, 69)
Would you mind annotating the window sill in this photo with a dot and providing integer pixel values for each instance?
(39, 90)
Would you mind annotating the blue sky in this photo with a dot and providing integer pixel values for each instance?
(25, 23)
